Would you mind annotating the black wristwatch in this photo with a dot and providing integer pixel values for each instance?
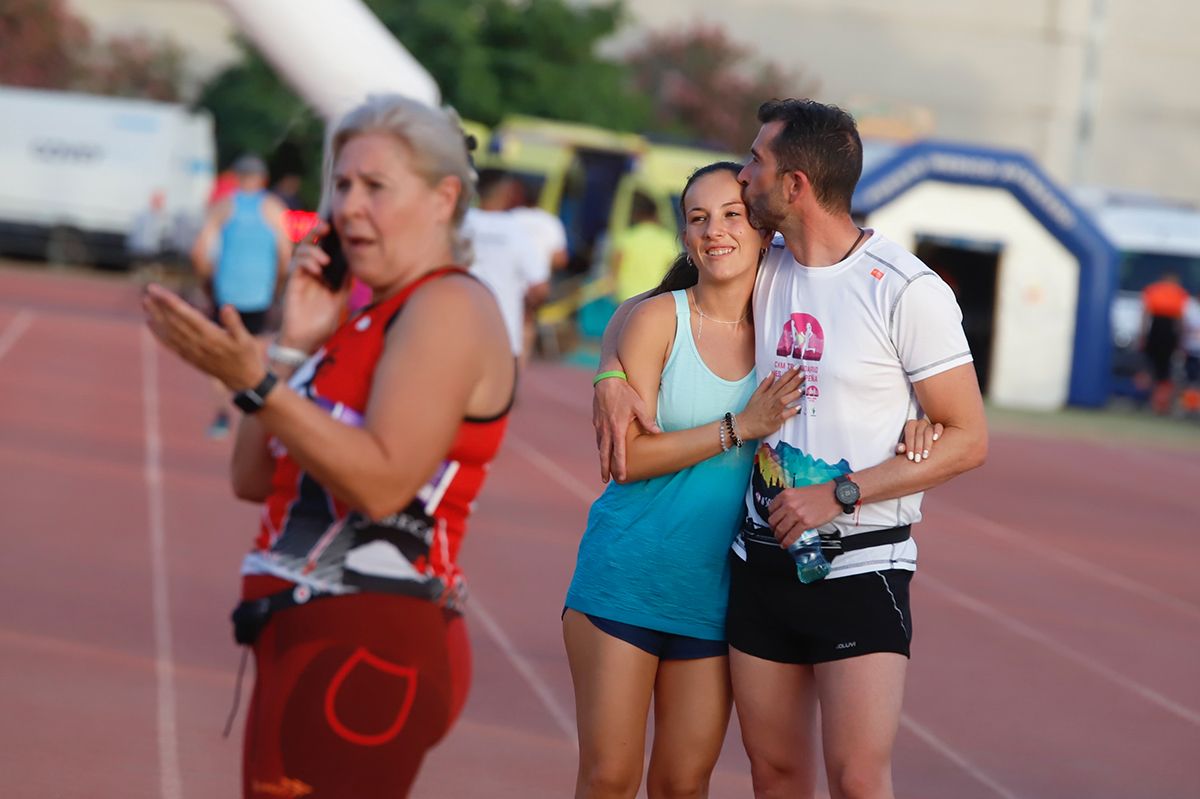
(846, 492)
(251, 400)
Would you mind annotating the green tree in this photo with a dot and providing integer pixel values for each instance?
(255, 112)
(704, 85)
(40, 43)
(489, 57)
(45, 46)
(135, 66)
(539, 57)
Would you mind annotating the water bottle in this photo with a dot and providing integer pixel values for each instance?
(811, 564)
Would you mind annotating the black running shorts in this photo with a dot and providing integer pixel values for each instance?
(779, 618)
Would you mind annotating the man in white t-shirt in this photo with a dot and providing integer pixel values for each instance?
(505, 259)
(548, 236)
(879, 337)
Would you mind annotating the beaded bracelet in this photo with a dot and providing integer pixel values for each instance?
(721, 433)
(733, 435)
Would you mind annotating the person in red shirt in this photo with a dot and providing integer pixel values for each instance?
(1163, 303)
(367, 462)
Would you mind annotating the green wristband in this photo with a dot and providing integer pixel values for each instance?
(608, 374)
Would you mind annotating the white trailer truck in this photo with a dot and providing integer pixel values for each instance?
(82, 176)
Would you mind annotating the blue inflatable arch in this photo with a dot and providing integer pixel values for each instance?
(1091, 363)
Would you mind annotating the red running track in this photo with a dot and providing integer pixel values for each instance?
(1057, 622)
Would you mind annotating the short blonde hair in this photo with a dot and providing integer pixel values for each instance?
(434, 140)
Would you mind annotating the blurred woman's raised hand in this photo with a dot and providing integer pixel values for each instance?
(228, 353)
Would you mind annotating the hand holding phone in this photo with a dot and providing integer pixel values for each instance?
(335, 272)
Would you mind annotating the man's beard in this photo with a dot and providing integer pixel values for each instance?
(759, 212)
(762, 216)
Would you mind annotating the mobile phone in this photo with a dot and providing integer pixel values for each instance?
(334, 273)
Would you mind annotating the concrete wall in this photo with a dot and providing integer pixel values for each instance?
(1037, 285)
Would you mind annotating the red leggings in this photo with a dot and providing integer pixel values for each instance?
(350, 693)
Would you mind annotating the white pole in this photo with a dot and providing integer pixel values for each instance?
(333, 53)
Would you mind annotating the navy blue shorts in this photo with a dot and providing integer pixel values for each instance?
(664, 646)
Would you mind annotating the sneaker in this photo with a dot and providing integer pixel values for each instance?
(219, 427)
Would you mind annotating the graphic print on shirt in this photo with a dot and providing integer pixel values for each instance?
(332, 545)
(802, 339)
(310, 537)
(785, 466)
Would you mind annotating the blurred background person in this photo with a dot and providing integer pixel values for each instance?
(1190, 399)
(149, 232)
(368, 463)
(506, 258)
(547, 235)
(1163, 302)
(641, 255)
(241, 256)
(546, 231)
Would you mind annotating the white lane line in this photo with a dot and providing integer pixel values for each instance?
(168, 733)
(1078, 658)
(541, 688)
(552, 470)
(16, 328)
(1086, 567)
(951, 754)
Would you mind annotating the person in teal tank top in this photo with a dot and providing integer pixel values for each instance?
(241, 256)
(243, 249)
(248, 266)
(645, 611)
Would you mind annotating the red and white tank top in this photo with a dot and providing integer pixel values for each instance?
(309, 537)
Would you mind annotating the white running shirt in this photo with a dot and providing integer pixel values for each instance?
(863, 330)
(507, 262)
(545, 231)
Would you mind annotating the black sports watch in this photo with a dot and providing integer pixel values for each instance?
(251, 400)
(846, 492)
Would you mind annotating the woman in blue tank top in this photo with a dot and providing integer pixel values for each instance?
(645, 612)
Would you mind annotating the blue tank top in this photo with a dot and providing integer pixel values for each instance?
(655, 552)
(245, 274)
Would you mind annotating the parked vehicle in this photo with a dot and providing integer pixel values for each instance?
(101, 180)
(588, 177)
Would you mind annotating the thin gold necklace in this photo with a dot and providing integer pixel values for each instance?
(703, 316)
